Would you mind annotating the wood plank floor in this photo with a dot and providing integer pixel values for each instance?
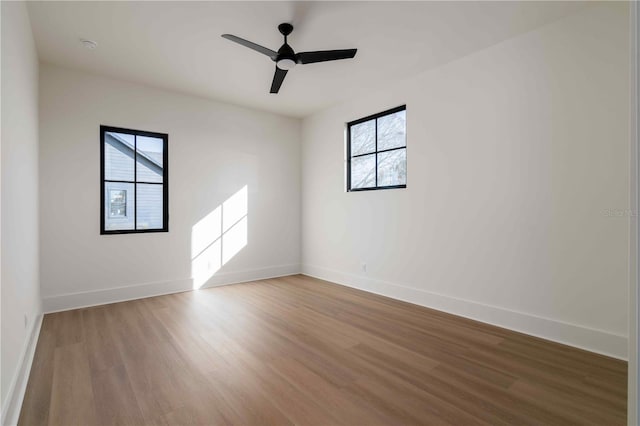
(296, 350)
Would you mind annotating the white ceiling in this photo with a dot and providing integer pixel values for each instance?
(177, 45)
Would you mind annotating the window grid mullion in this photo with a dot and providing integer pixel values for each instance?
(376, 135)
(132, 181)
(379, 152)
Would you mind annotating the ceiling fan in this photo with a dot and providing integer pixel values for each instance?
(285, 58)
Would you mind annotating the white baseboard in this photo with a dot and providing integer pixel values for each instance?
(64, 302)
(590, 339)
(13, 401)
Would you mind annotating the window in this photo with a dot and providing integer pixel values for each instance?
(377, 151)
(133, 181)
(117, 203)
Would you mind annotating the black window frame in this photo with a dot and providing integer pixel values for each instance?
(164, 183)
(376, 152)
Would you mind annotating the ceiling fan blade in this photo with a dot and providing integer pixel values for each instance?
(325, 55)
(278, 78)
(251, 45)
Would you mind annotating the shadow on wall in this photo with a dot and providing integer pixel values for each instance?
(218, 237)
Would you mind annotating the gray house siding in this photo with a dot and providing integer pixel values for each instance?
(119, 165)
(149, 206)
(118, 160)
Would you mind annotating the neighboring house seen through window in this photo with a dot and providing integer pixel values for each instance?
(117, 203)
(377, 151)
(133, 179)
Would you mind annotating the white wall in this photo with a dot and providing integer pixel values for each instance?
(19, 211)
(214, 151)
(517, 159)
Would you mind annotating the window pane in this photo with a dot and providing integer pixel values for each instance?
(392, 130)
(149, 167)
(118, 156)
(119, 205)
(149, 206)
(363, 138)
(363, 171)
(392, 167)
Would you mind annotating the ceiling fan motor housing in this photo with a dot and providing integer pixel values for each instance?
(286, 58)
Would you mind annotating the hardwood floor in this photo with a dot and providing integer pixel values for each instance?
(296, 350)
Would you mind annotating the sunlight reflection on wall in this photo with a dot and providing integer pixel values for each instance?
(218, 237)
